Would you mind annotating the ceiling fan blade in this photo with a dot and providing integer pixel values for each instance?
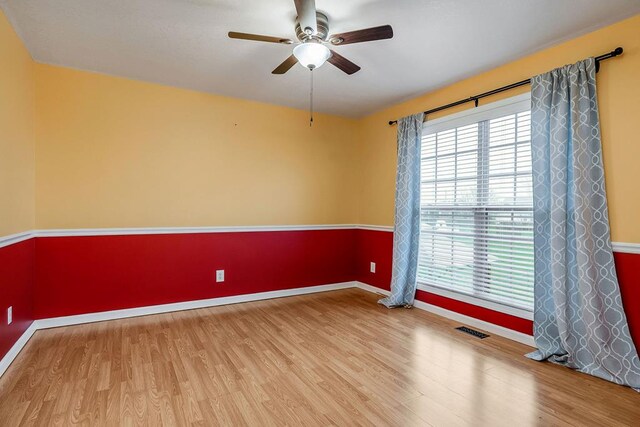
(366, 35)
(286, 65)
(307, 15)
(343, 63)
(259, 38)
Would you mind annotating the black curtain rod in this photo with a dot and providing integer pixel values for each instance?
(616, 52)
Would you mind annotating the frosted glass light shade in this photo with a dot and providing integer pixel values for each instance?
(311, 54)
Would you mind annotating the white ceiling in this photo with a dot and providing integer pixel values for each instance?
(184, 43)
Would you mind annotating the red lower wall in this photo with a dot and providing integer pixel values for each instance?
(374, 246)
(16, 290)
(628, 271)
(76, 275)
(497, 318)
(377, 246)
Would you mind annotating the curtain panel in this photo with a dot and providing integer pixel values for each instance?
(579, 319)
(406, 234)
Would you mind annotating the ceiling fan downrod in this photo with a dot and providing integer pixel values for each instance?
(311, 100)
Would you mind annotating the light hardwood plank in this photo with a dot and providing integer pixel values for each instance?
(336, 358)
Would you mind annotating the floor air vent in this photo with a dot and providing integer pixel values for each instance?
(473, 332)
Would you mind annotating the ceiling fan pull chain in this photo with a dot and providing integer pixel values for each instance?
(311, 101)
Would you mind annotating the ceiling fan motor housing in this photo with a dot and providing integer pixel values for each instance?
(323, 29)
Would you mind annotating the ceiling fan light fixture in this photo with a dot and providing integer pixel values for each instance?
(311, 54)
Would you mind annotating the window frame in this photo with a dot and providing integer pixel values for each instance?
(511, 105)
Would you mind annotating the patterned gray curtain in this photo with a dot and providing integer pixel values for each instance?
(579, 320)
(407, 219)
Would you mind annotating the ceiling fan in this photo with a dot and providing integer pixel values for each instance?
(312, 31)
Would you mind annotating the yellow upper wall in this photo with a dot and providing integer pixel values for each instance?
(619, 99)
(17, 175)
(113, 152)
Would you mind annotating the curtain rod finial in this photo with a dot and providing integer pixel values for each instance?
(618, 51)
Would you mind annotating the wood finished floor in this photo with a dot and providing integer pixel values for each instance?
(334, 358)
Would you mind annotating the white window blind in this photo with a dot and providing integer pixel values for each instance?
(476, 235)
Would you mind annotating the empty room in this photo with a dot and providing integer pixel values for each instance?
(319, 213)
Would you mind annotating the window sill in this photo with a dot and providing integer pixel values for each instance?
(501, 308)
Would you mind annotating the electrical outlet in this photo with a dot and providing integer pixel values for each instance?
(219, 276)
(9, 315)
(372, 267)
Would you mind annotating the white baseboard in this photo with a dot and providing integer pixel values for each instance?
(372, 289)
(476, 323)
(55, 322)
(17, 347)
(467, 320)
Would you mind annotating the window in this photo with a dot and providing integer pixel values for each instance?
(476, 232)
